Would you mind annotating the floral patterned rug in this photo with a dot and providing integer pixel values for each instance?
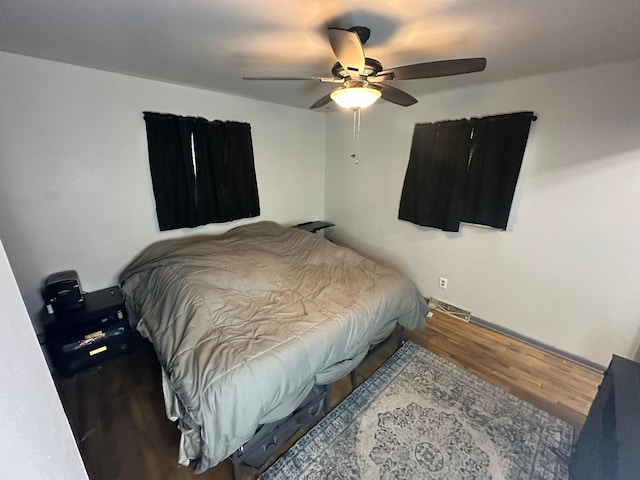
(422, 417)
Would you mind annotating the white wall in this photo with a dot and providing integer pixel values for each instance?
(567, 271)
(75, 191)
(36, 438)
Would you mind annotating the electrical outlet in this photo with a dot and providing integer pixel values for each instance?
(443, 283)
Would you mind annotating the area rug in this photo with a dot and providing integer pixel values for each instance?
(422, 417)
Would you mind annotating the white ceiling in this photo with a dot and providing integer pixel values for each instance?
(213, 43)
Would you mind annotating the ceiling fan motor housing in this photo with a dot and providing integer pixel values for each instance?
(371, 68)
(363, 33)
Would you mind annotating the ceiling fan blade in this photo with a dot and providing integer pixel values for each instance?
(348, 50)
(317, 79)
(322, 102)
(394, 95)
(443, 68)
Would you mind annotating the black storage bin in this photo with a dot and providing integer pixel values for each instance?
(271, 436)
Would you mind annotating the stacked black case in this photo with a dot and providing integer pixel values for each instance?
(62, 291)
(86, 336)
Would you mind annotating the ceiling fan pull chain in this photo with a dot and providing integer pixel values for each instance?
(356, 135)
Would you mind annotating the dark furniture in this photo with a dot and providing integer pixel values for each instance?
(313, 227)
(86, 336)
(609, 445)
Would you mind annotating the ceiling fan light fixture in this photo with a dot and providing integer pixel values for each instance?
(355, 97)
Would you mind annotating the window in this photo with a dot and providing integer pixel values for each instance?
(464, 171)
(202, 171)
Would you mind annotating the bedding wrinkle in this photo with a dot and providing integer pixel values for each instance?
(246, 323)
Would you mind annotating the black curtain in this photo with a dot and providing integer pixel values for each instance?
(169, 144)
(433, 191)
(226, 178)
(464, 171)
(497, 148)
(223, 185)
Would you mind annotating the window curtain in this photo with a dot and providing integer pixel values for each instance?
(464, 171)
(226, 180)
(433, 191)
(497, 149)
(222, 187)
(172, 175)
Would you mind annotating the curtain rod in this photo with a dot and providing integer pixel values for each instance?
(534, 117)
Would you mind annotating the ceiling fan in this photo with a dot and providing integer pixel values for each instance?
(362, 78)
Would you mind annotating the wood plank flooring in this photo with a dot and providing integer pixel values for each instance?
(117, 413)
(559, 386)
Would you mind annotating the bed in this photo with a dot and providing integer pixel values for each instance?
(246, 323)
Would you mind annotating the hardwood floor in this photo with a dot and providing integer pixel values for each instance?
(559, 386)
(117, 413)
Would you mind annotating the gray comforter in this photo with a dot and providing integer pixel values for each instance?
(245, 323)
